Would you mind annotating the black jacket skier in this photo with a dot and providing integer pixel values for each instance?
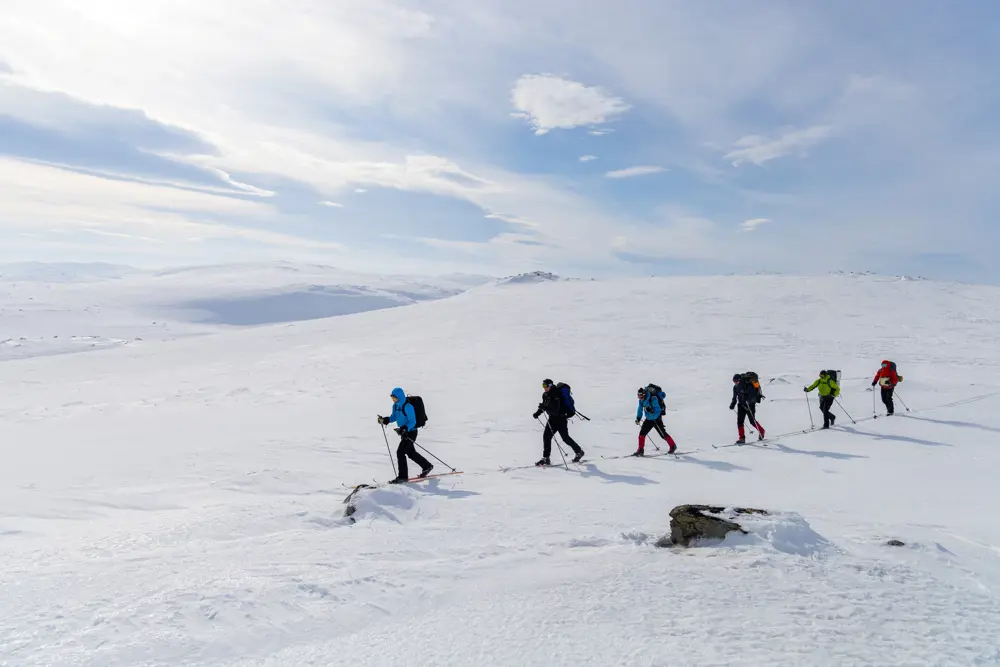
(746, 396)
(558, 422)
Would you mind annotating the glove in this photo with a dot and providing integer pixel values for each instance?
(637, 421)
(900, 378)
(732, 407)
(805, 389)
(536, 415)
(383, 420)
(874, 382)
(402, 430)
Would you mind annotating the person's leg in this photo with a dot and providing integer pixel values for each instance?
(644, 430)
(887, 399)
(741, 415)
(662, 430)
(547, 440)
(414, 455)
(562, 428)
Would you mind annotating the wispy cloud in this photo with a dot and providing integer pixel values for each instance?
(754, 224)
(587, 158)
(632, 172)
(757, 150)
(550, 102)
(332, 204)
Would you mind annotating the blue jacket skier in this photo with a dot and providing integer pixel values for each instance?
(651, 407)
(405, 419)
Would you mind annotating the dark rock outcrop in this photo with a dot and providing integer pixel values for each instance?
(692, 523)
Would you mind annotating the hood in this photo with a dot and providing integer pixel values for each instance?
(398, 393)
(886, 362)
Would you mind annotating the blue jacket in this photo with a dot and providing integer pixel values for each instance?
(650, 406)
(402, 412)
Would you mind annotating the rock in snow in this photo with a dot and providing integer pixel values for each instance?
(691, 523)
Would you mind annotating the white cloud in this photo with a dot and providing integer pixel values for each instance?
(549, 102)
(331, 204)
(753, 224)
(587, 158)
(632, 172)
(757, 150)
(360, 191)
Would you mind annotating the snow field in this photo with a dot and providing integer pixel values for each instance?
(182, 504)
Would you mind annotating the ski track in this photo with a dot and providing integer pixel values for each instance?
(183, 505)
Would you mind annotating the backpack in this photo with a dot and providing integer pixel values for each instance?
(419, 413)
(834, 375)
(751, 381)
(569, 405)
(892, 365)
(659, 394)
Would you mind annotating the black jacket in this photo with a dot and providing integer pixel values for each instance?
(552, 403)
(744, 393)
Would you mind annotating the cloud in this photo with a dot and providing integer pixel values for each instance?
(753, 224)
(549, 102)
(632, 172)
(360, 191)
(331, 204)
(587, 158)
(759, 150)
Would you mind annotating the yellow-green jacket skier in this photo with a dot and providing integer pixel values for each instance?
(829, 390)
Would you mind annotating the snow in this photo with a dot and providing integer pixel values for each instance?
(182, 504)
(48, 309)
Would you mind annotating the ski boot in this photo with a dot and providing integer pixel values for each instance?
(579, 455)
(426, 471)
(640, 452)
(544, 461)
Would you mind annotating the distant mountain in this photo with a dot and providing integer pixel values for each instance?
(64, 272)
(530, 278)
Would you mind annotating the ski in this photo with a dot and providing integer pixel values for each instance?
(411, 480)
(533, 465)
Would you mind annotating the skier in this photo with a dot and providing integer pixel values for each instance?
(555, 407)
(746, 395)
(406, 421)
(651, 405)
(887, 378)
(829, 390)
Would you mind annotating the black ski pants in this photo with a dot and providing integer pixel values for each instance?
(649, 424)
(887, 399)
(407, 448)
(558, 425)
(825, 403)
(744, 411)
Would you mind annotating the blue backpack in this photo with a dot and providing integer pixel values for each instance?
(569, 405)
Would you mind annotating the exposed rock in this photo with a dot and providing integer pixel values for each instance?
(690, 523)
(895, 543)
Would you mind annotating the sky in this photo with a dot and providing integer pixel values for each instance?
(590, 138)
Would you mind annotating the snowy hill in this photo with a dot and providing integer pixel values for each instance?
(50, 309)
(182, 505)
(530, 278)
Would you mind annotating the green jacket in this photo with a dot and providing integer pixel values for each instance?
(827, 386)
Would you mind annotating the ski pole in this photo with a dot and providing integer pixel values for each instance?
(558, 446)
(812, 424)
(874, 405)
(902, 401)
(389, 449)
(434, 457)
(582, 416)
(853, 421)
